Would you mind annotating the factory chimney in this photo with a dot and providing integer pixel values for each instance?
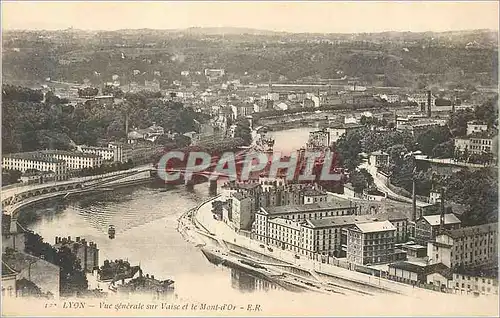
(414, 198)
(429, 100)
(441, 219)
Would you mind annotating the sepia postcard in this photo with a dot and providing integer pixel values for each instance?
(258, 158)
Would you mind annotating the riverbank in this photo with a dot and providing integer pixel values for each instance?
(322, 274)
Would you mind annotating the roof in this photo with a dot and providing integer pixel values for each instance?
(313, 192)
(482, 271)
(379, 153)
(7, 270)
(239, 196)
(347, 126)
(313, 207)
(435, 220)
(425, 270)
(19, 261)
(33, 156)
(473, 230)
(286, 223)
(375, 226)
(130, 273)
(346, 220)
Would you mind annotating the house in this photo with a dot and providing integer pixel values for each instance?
(13, 234)
(476, 127)
(9, 277)
(314, 196)
(319, 139)
(42, 273)
(379, 159)
(427, 227)
(338, 131)
(281, 106)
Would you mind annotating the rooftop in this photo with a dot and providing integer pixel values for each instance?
(33, 156)
(473, 230)
(379, 153)
(313, 207)
(346, 220)
(425, 270)
(375, 226)
(435, 220)
(286, 223)
(7, 270)
(347, 126)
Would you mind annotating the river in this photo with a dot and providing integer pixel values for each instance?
(146, 224)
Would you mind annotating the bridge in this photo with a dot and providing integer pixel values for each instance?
(14, 198)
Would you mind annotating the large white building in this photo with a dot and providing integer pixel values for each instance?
(107, 153)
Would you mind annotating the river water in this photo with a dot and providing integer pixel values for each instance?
(146, 223)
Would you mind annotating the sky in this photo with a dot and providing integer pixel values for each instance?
(320, 17)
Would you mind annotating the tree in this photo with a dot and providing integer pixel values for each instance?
(444, 150)
(432, 137)
(243, 131)
(72, 278)
(360, 180)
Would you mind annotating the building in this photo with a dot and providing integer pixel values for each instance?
(474, 127)
(314, 196)
(379, 159)
(214, 74)
(434, 197)
(296, 213)
(427, 227)
(107, 154)
(391, 98)
(478, 281)
(242, 211)
(371, 243)
(150, 134)
(416, 273)
(138, 152)
(477, 143)
(74, 160)
(338, 131)
(34, 161)
(42, 273)
(9, 277)
(87, 253)
(422, 99)
(330, 233)
(416, 125)
(319, 139)
(242, 110)
(465, 247)
(13, 234)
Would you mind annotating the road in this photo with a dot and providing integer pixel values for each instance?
(7, 193)
(380, 184)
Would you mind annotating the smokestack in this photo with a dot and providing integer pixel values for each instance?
(429, 100)
(414, 199)
(441, 219)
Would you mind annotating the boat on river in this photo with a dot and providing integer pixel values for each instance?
(111, 231)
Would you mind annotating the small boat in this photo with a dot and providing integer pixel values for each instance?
(111, 232)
